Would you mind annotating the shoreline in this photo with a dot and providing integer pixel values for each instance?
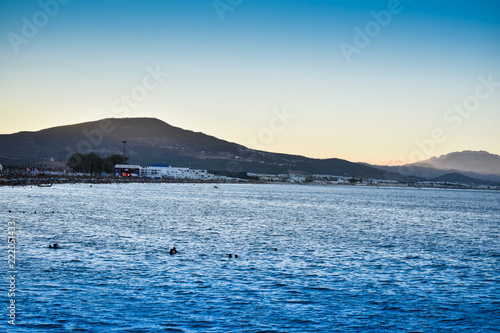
(79, 180)
(48, 181)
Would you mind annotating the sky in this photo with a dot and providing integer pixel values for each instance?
(384, 82)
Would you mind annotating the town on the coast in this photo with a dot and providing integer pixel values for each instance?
(157, 173)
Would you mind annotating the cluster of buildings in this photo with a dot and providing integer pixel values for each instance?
(298, 177)
(158, 171)
(285, 177)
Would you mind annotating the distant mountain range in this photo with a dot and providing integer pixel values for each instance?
(479, 166)
(478, 162)
(150, 140)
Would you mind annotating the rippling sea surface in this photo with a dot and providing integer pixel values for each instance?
(310, 259)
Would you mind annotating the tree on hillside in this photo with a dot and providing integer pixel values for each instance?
(93, 163)
(113, 160)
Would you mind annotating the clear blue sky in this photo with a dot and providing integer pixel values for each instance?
(232, 64)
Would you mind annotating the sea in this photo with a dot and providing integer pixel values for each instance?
(310, 259)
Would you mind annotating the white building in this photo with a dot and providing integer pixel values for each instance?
(268, 177)
(166, 171)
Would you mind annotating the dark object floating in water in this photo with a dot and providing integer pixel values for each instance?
(44, 185)
(230, 255)
(35, 211)
(275, 249)
(54, 247)
(10, 211)
(216, 186)
(236, 256)
(173, 251)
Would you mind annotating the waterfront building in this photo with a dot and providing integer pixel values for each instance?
(127, 170)
(158, 171)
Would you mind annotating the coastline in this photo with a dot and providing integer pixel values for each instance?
(16, 181)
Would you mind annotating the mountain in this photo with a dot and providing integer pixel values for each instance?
(430, 173)
(479, 162)
(479, 165)
(150, 140)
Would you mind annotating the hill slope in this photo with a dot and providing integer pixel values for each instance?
(461, 179)
(150, 140)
